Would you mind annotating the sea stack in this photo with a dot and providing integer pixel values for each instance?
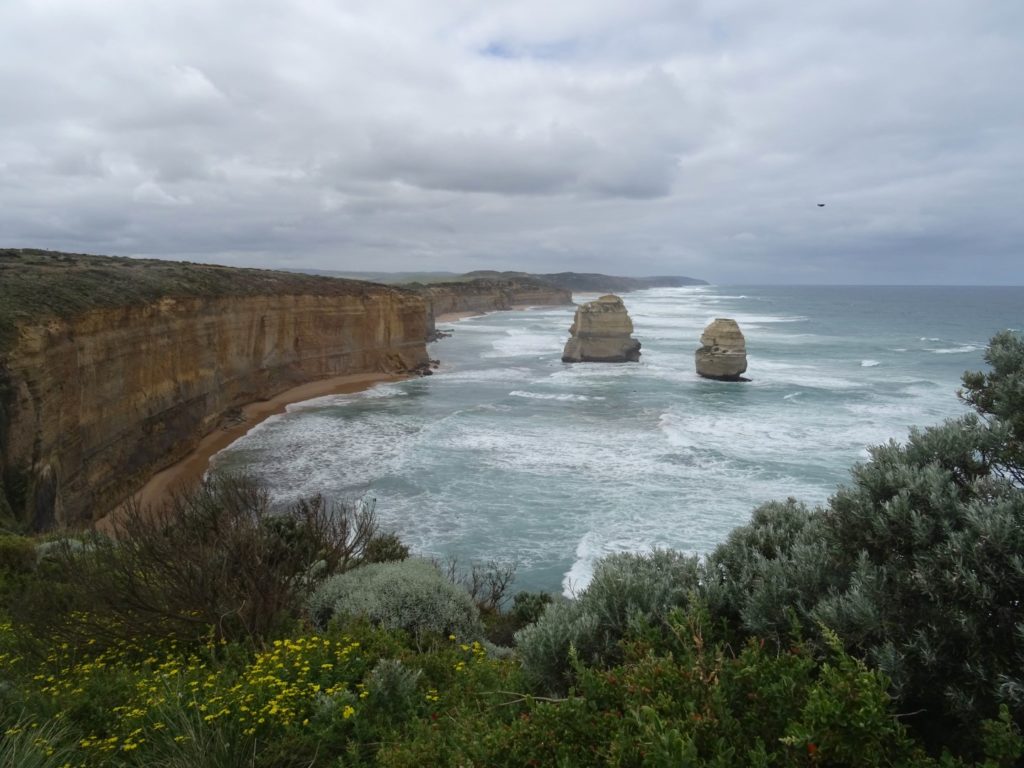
(600, 333)
(723, 352)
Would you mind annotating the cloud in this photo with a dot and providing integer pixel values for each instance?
(646, 137)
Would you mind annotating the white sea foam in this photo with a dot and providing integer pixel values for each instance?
(460, 376)
(549, 396)
(380, 391)
(956, 350)
(509, 450)
(523, 343)
(869, 363)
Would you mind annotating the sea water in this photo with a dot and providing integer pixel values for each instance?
(509, 454)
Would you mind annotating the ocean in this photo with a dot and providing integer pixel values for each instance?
(508, 454)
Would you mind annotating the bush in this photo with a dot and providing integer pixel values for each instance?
(411, 595)
(684, 698)
(218, 558)
(998, 396)
(501, 626)
(17, 555)
(385, 548)
(916, 564)
(626, 590)
(760, 577)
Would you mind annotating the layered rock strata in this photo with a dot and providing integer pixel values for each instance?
(485, 295)
(600, 333)
(95, 399)
(723, 351)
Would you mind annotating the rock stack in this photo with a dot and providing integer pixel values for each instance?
(723, 352)
(600, 333)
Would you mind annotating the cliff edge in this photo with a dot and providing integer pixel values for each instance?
(488, 295)
(113, 368)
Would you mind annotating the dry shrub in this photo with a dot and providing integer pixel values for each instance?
(217, 559)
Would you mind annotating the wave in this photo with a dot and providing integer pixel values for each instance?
(524, 344)
(956, 350)
(564, 397)
(869, 363)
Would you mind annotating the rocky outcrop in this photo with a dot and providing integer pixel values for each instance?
(600, 333)
(96, 399)
(723, 352)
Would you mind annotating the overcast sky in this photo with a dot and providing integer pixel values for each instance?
(622, 136)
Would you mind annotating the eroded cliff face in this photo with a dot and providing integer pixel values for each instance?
(97, 403)
(489, 295)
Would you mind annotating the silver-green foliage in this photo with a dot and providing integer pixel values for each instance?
(627, 590)
(917, 564)
(392, 689)
(411, 595)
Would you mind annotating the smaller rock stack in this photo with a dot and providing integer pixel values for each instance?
(723, 354)
(600, 333)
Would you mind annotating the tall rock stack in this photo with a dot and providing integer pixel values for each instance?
(600, 333)
(723, 352)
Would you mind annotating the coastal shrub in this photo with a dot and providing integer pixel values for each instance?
(392, 690)
(998, 396)
(217, 559)
(929, 549)
(385, 548)
(501, 626)
(488, 584)
(410, 595)
(626, 590)
(916, 564)
(17, 555)
(682, 695)
(768, 572)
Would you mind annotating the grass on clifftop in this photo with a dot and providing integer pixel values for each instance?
(36, 284)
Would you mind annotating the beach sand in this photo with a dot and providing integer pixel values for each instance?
(452, 317)
(190, 469)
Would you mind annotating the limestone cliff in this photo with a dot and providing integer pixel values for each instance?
(486, 295)
(600, 333)
(97, 395)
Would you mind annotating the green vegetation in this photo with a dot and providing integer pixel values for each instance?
(37, 284)
(883, 629)
(410, 595)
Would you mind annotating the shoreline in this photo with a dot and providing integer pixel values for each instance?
(189, 470)
(454, 317)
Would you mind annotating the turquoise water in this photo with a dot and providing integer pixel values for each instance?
(508, 453)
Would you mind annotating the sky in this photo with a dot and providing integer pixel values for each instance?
(636, 137)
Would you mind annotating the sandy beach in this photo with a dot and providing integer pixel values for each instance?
(452, 317)
(191, 469)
